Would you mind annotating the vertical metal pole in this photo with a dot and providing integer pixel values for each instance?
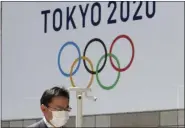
(79, 117)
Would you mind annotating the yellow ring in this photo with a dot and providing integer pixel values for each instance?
(71, 71)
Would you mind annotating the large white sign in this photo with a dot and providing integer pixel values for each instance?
(136, 50)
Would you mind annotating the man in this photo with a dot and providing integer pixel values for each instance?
(55, 108)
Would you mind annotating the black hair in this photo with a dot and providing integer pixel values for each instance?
(49, 94)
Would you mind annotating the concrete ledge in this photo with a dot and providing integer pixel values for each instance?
(160, 119)
(148, 119)
(103, 121)
(169, 118)
(181, 117)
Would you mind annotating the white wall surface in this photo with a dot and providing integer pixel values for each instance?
(30, 56)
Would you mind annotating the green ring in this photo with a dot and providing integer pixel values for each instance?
(97, 77)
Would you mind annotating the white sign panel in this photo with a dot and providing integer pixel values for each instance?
(135, 48)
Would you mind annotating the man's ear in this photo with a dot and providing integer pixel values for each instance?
(43, 108)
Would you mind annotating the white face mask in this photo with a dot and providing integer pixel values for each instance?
(60, 118)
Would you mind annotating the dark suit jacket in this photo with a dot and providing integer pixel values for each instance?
(40, 124)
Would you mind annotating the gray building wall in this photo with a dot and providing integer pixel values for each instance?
(160, 119)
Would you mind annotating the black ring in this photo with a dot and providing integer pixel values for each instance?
(105, 60)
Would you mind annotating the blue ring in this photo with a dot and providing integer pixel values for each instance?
(79, 62)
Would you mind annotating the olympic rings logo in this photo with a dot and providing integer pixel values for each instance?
(98, 70)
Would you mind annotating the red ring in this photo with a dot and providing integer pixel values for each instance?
(133, 52)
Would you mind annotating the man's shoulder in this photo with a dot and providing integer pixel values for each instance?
(39, 124)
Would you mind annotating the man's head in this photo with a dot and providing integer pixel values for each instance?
(55, 105)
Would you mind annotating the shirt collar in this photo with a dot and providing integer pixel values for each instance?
(47, 123)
